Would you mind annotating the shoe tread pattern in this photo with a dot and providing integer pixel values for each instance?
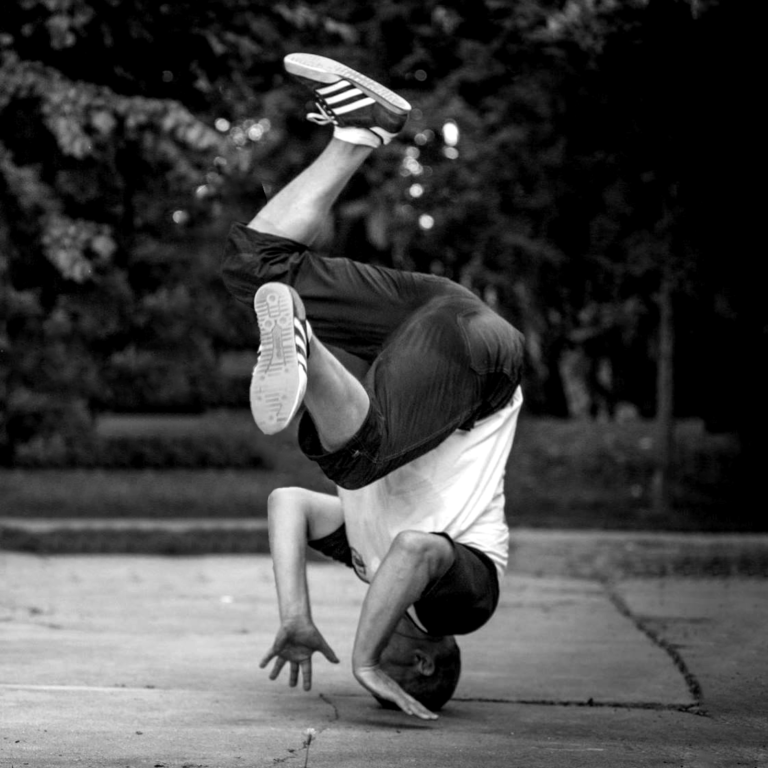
(276, 379)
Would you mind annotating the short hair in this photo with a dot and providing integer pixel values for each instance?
(435, 690)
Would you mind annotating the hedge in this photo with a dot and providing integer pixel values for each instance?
(144, 452)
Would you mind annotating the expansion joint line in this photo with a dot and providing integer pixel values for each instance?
(692, 684)
(587, 704)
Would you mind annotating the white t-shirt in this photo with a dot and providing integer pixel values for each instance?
(456, 488)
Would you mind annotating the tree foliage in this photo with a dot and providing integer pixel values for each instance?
(100, 156)
(561, 156)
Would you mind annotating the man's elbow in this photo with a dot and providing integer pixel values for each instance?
(287, 495)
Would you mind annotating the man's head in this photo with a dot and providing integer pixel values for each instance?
(425, 666)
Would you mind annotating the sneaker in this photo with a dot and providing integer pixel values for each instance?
(347, 99)
(279, 379)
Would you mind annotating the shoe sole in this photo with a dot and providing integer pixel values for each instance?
(323, 70)
(276, 388)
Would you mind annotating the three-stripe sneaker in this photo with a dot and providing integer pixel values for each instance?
(279, 379)
(360, 109)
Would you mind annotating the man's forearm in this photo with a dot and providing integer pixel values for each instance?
(288, 544)
(402, 577)
(296, 516)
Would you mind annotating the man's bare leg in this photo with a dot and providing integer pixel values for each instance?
(298, 210)
(336, 400)
(365, 115)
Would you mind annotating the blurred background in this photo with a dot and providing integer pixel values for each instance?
(579, 164)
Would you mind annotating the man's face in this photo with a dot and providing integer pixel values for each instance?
(409, 653)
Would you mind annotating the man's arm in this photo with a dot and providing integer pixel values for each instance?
(413, 561)
(296, 516)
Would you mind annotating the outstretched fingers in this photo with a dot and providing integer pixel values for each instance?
(382, 685)
(306, 673)
(295, 647)
(268, 656)
(410, 706)
(294, 677)
(327, 651)
(279, 664)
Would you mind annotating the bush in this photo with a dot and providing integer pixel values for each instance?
(143, 452)
(35, 419)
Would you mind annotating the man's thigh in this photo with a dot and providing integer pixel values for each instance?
(454, 362)
(351, 305)
(464, 598)
(435, 374)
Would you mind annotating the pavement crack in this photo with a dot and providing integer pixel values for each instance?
(294, 753)
(330, 703)
(691, 682)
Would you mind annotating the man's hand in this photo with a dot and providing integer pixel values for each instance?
(380, 684)
(295, 643)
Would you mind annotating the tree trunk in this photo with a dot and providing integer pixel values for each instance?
(665, 417)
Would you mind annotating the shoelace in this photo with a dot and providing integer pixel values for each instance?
(323, 117)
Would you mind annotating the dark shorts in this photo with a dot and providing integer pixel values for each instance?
(459, 602)
(439, 358)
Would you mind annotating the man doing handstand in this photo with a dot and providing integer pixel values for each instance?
(417, 446)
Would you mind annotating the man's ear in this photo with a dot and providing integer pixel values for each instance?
(424, 662)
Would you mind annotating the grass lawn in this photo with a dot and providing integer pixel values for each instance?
(573, 474)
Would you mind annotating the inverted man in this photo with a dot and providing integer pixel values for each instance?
(417, 446)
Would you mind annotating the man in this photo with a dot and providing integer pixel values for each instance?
(417, 446)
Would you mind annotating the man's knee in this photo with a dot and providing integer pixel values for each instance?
(254, 258)
(493, 344)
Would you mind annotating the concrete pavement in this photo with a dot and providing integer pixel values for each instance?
(591, 660)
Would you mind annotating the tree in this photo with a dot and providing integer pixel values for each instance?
(553, 164)
(647, 123)
(110, 154)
